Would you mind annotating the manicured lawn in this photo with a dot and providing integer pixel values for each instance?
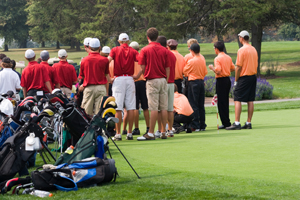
(262, 163)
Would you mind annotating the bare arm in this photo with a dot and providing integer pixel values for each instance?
(109, 59)
(168, 73)
(237, 72)
(25, 92)
(48, 86)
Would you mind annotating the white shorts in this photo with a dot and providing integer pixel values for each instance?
(170, 97)
(123, 89)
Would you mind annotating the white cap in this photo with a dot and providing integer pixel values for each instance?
(105, 49)
(243, 34)
(134, 45)
(94, 43)
(62, 53)
(87, 41)
(123, 37)
(29, 53)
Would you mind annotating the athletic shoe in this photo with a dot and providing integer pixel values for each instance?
(163, 136)
(247, 126)
(136, 131)
(145, 137)
(203, 129)
(124, 132)
(157, 134)
(147, 130)
(117, 137)
(129, 137)
(196, 130)
(170, 134)
(222, 127)
(234, 127)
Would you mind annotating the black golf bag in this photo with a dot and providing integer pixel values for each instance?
(13, 155)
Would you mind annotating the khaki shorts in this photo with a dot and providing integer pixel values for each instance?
(66, 91)
(92, 95)
(157, 94)
(170, 96)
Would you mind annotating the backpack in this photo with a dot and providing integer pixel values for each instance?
(13, 155)
(68, 177)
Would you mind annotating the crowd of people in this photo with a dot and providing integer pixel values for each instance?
(157, 79)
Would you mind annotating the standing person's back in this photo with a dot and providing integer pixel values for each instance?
(9, 80)
(66, 73)
(94, 71)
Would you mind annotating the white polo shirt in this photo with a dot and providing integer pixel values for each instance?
(9, 80)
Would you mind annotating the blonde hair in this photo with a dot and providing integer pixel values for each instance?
(6, 65)
(191, 41)
(104, 54)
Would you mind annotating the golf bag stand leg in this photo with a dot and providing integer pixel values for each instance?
(123, 155)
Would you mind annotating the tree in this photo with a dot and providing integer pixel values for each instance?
(13, 19)
(289, 31)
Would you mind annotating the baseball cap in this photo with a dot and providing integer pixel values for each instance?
(134, 45)
(62, 53)
(6, 60)
(94, 43)
(29, 53)
(243, 34)
(87, 41)
(172, 42)
(105, 49)
(195, 47)
(123, 37)
(44, 55)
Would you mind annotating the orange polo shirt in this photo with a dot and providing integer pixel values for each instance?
(188, 57)
(180, 63)
(195, 68)
(181, 105)
(223, 64)
(247, 58)
(137, 69)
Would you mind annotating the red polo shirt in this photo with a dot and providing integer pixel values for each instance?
(172, 60)
(93, 68)
(52, 75)
(124, 58)
(34, 76)
(155, 58)
(66, 73)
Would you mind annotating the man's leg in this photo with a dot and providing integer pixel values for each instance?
(170, 120)
(193, 97)
(118, 125)
(164, 120)
(201, 102)
(146, 116)
(238, 110)
(88, 100)
(222, 90)
(250, 111)
(153, 118)
(130, 118)
(125, 121)
(136, 118)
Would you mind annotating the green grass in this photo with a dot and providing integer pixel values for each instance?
(262, 163)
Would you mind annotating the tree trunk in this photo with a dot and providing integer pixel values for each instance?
(257, 32)
(239, 43)
(23, 44)
(5, 47)
(57, 45)
(43, 43)
(72, 44)
(220, 38)
(78, 46)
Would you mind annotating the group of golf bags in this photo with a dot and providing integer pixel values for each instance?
(33, 123)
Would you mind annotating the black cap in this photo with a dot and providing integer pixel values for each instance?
(6, 60)
(195, 48)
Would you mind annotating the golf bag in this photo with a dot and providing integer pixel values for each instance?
(78, 174)
(9, 127)
(13, 155)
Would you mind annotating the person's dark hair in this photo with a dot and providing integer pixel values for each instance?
(220, 46)
(152, 34)
(95, 49)
(13, 62)
(173, 47)
(246, 38)
(195, 48)
(39, 60)
(30, 59)
(104, 54)
(2, 55)
(162, 40)
(175, 88)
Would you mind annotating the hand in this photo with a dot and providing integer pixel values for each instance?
(81, 88)
(235, 82)
(135, 77)
(211, 67)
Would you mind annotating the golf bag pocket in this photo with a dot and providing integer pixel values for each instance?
(53, 179)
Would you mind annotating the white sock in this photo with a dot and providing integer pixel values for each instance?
(237, 123)
(248, 123)
(129, 134)
(150, 134)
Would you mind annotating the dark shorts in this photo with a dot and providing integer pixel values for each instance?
(140, 95)
(245, 89)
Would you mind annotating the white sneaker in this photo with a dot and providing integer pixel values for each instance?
(157, 134)
(197, 130)
(117, 137)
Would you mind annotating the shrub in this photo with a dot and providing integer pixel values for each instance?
(264, 90)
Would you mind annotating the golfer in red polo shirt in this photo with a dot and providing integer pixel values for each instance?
(66, 73)
(123, 88)
(34, 77)
(156, 68)
(54, 79)
(94, 71)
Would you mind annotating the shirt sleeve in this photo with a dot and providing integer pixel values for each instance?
(142, 58)
(113, 53)
(187, 68)
(239, 59)
(218, 67)
(107, 68)
(23, 79)
(74, 74)
(17, 83)
(81, 74)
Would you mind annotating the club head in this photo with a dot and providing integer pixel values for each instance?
(113, 119)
